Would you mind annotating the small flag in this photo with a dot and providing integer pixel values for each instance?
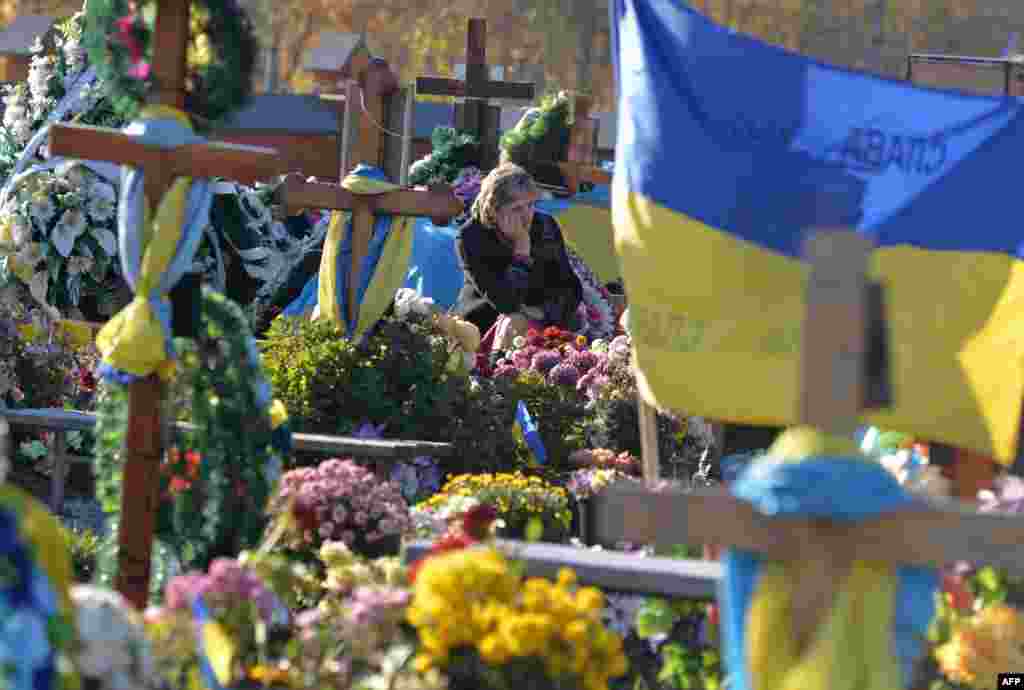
(216, 648)
(530, 433)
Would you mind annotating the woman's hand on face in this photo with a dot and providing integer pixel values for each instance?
(513, 225)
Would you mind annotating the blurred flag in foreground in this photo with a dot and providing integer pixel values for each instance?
(728, 150)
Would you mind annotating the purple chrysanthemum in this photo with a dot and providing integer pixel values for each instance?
(564, 374)
(546, 360)
(585, 360)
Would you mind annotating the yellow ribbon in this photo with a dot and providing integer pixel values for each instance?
(134, 341)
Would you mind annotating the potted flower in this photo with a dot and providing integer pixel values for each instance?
(338, 501)
(484, 627)
(517, 499)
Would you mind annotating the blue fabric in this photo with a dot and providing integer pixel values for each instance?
(434, 269)
(760, 162)
(27, 604)
(306, 300)
(530, 433)
(843, 489)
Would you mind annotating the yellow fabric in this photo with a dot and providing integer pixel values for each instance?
(847, 652)
(800, 442)
(733, 323)
(388, 276)
(278, 414)
(588, 230)
(220, 651)
(38, 527)
(327, 290)
(392, 267)
(133, 341)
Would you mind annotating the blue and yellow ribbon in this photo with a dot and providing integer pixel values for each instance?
(873, 633)
(157, 248)
(381, 273)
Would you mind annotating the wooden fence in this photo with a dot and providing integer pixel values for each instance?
(381, 452)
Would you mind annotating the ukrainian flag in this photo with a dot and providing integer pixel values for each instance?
(728, 150)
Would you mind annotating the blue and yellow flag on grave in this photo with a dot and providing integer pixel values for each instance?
(728, 150)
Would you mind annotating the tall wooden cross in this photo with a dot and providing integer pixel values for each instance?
(438, 204)
(144, 440)
(475, 115)
(835, 387)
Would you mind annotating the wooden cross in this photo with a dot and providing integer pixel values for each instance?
(475, 115)
(837, 383)
(438, 203)
(144, 438)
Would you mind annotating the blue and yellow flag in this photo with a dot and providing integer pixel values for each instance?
(729, 150)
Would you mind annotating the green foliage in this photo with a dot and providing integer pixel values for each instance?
(400, 377)
(219, 511)
(84, 546)
(222, 55)
(547, 134)
(452, 150)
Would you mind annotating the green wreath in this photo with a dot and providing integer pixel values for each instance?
(544, 137)
(215, 487)
(221, 55)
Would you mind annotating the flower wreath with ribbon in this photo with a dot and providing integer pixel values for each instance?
(217, 476)
(221, 55)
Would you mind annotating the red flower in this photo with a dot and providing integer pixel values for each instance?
(86, 379)
(552, 332)
(127, 36)
(452, 541)
(478, 520)
(304, 512)
(957, 594)
(713, 616)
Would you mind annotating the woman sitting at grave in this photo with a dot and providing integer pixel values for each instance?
(517, 270)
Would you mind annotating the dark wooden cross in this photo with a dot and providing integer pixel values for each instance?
(438, 203)
(837, 342)
(144, 440)
(475, 115)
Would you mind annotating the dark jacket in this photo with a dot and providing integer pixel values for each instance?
(497, 284)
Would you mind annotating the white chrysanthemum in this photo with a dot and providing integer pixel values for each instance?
(75, 55)
(114, 649)
(39, 74)
(69, 228)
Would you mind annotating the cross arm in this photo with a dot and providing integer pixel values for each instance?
(245, 164)
(933, 534)
(442, 86)
(438, 204)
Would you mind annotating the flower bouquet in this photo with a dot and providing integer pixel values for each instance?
(485, 627)
(338, 501)
(516, 498)
(58, 236)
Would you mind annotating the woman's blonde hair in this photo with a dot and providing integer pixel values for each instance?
(503, 184)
